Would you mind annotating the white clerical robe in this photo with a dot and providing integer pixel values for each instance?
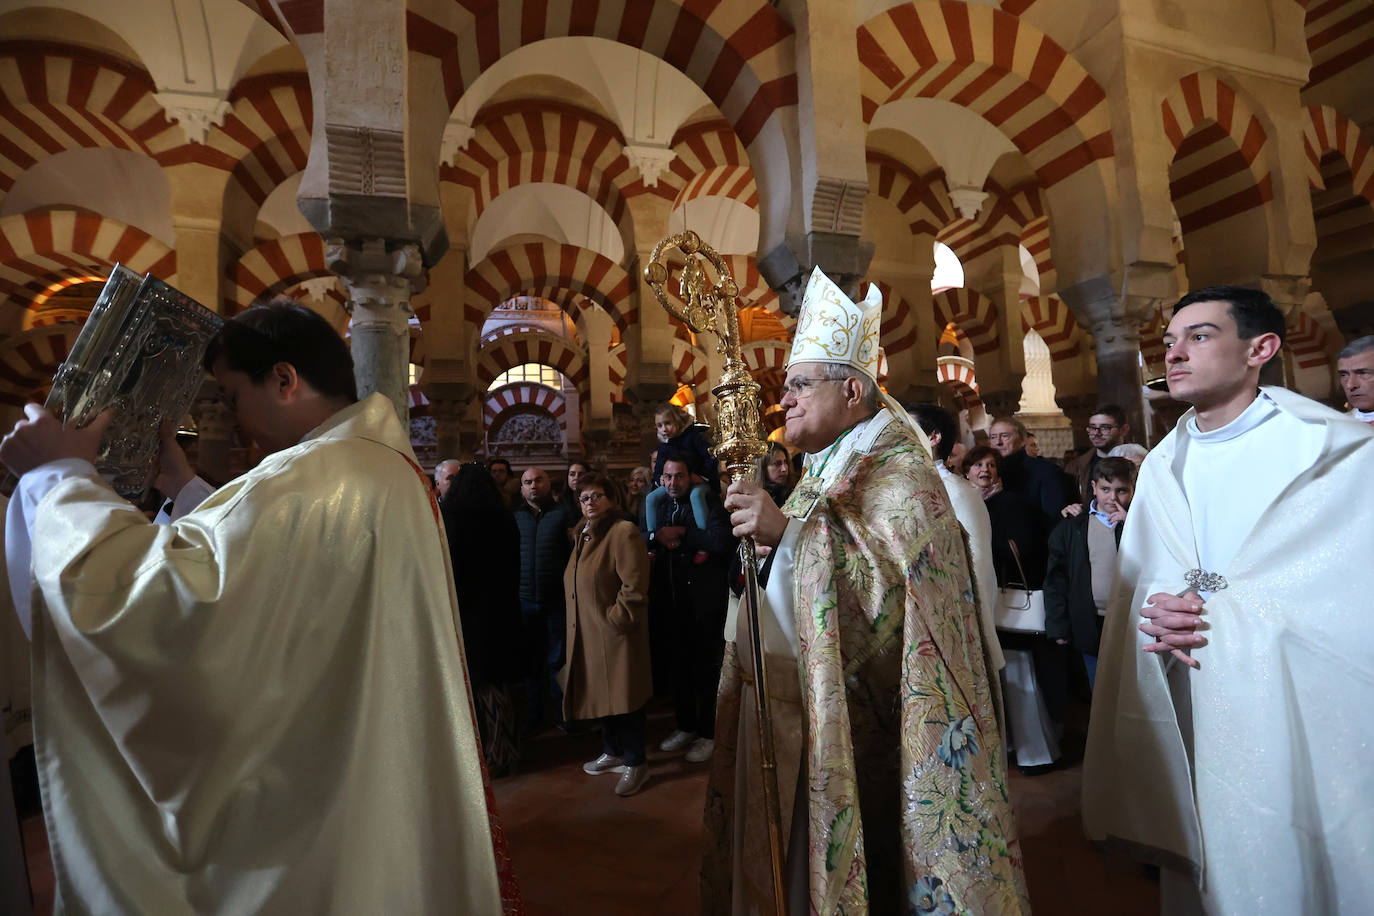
(972, 513)
(261, 707)
(1256, 771)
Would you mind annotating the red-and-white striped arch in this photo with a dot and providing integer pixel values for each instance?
(524, 395)
(540, 347)
(710, 162)
(741, 54)
(1049, 317)
(1001, 221)
(690, 368)
(1152, 342)
(1035, 238)
(517, 143)
(958, 375)
(754, 290)
(995, 65)
(1221, 165)
(265, 137)
(1340, 35)
(1327, 130)
(898, 330)
(922, 199)
(274, 266)
(55, 98)
(548, 266)
(1307, 341)
(42, 248)
(766, 355)
(29, 359)
(975, 315)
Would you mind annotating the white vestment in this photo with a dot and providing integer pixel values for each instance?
(972, 513)
(261, 707)
(1256, 771)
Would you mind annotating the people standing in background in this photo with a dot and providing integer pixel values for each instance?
(1107, 429)
(543, 523)
(777, 473)
(444, 472)
(505, 480)
(678, 434)
(1355, 369)
(607, 675)
(484, 546)
(1036, 480)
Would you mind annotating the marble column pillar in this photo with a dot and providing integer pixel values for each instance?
(379, 283)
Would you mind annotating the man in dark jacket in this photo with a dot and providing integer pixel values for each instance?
(544, 551)
(688, 590)
(1082, 562)
(1036, 480)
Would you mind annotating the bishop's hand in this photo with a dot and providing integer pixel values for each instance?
(40, 438)
(1173, 620)
(754, 514)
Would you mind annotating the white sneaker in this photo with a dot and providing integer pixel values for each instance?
(677, 741)
(633, 780)
(604, 764)
(701, 750)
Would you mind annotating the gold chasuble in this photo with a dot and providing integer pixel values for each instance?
(895, 739)
(260, 708)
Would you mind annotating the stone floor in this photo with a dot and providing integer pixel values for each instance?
(580, 849)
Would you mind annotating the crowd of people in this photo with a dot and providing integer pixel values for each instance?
(271, 674)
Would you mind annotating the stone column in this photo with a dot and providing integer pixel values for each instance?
(380, 283)
(449, 405)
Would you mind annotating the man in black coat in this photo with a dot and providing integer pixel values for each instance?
(1036, 480)
(1082, 562)
(688, 591)
(544, 551)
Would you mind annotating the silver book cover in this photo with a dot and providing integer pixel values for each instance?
(140, 353)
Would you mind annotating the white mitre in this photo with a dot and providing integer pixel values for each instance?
(832, 328)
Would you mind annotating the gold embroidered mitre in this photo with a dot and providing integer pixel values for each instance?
(832, 328)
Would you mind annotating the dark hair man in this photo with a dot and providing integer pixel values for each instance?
(204, 692)
(544, 552)
(688, 592)
(505, 480)
(1355, 369)
(1238, 555)
(1082, 562)
(1107, 428)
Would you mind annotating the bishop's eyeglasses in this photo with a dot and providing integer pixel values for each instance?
(801, 386)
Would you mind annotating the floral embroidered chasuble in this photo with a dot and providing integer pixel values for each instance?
(906, 793)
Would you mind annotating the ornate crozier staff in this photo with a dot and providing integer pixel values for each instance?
(739, 442)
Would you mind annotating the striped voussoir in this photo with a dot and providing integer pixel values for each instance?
(273, 266)
(690, 368)
(533, 346)
(709, 161)
(549, 266)
(1340, 35)
(898, 330)
(740, 54)
(1001, 68)
(1221, 164)
(1307, 341)
(523, 396)
(959, 378)
(1328, 131)
(974, 314)
(29, 359)
(1049, 317)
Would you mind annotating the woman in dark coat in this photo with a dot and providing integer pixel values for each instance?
(1036, 676)
(608, 674)
(484, 546)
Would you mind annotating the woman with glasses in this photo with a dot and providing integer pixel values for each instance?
(608, 674)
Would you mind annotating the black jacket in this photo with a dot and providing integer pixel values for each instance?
(1069, 609)
(544, 552)
(484, 547)
(677, 578)
(1038, 481)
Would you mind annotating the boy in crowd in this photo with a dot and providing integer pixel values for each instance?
(1082, 561)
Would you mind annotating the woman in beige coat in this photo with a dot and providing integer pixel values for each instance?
(608, 675)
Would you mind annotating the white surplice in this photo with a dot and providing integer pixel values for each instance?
(260, 707)
(1255, 772)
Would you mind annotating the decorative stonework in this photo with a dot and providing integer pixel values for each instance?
(968, 200)
(366, 160)
(457, 136)
(195, 112)
(650, 161)
(838, 206)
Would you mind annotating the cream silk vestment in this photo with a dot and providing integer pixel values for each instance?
(1256, 771)
(885, 722)
(261, 707)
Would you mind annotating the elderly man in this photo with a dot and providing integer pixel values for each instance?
(1230, 739)
(258, 707)
(444, 472)
(890, 763)
(1034, 479)
(1355, 368)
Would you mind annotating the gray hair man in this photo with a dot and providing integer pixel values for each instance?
(1355, 369)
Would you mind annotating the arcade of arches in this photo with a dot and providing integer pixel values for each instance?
(469, 189)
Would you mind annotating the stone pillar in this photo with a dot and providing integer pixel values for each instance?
(449, 405)
(595, 329)
(197, 208)
(380, 283)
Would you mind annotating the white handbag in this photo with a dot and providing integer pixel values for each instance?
(1020, 610)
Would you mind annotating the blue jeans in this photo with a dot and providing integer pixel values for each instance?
(1090, 662)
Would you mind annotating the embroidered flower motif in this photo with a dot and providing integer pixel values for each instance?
(959, 742)
(927, 896)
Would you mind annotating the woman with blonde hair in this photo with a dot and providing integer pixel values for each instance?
(608, 674)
